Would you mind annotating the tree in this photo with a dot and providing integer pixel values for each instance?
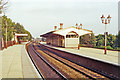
(110, 40)
(85, 39)
(93, 40)
(12, 26)
(2, 9)
(100, 40)
(3, 6)
(117, 41)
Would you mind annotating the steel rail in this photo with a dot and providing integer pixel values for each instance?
(34, 63)
(59, 73)
(72, 66)
(106, 75)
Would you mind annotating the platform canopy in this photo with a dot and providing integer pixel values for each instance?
(65, 31)
(21, 35)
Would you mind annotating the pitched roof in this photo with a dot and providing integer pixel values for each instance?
(65, 31)
(47, 34)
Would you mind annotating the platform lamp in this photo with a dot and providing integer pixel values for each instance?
(80, 36)
(105, 21)
(12, 35)
(6, 33)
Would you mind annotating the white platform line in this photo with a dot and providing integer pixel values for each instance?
(32, 63)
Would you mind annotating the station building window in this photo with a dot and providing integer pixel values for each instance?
(71, 36)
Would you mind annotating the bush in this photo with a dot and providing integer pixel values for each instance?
(95, 46)
(118, 48)
(82, 45)
(108, 47)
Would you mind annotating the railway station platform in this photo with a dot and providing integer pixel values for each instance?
(16, 63)
(112, 57)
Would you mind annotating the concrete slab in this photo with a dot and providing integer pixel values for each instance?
(0, 65)
(28, 68)
(11, 62)
(110, 57)
(17, 64)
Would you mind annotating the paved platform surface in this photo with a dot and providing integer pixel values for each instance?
(111, 56)
(0, 65)
(16, 63)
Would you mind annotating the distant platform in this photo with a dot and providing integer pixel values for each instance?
(112, 57)
(17, 64)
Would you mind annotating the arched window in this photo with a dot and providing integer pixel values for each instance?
(72, 34)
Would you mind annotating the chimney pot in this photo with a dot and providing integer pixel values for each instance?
(61, 25)
(76, 25)
(55, 27)
(80, 26)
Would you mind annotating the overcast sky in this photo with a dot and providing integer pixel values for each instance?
(40, 16)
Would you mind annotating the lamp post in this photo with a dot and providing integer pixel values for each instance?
(12, 35)
(80, 27)
(6, 34)
(105, 21)
(14, 38)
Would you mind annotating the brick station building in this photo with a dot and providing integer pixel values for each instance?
(65, 37)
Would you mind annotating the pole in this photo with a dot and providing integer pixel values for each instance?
(107, 20)
(0, 35)
(6, 36)
(79, 42)
(12, 37)
(105, 39)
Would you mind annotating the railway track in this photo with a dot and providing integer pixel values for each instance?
(87, 72)
(65, 69)
(108, 70)
(69, 72)
(46, 70)
(74, 75)
(76, 67)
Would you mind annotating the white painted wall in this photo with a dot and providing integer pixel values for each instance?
(72, 42)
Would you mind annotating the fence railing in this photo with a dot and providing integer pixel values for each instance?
(3, 44)
(9, 43)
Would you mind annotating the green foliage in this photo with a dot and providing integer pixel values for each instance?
(118, 49)
(100, 40)
(85, 39)
(118, 39)
(111, 41)
(93, 40)
(103, 47)
(88, 39)
(13, 27)
(108, 47)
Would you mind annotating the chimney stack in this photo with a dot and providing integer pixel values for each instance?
(55, 27)
(61, 25)
(81, 26)
(76, 25)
